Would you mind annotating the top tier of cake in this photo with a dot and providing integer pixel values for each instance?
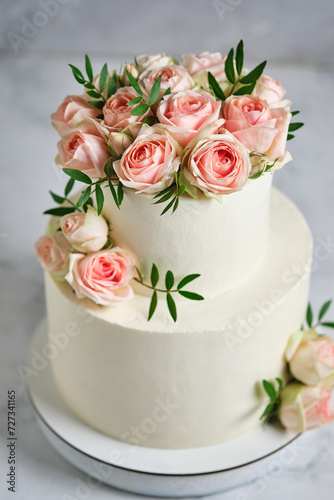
(223, 242)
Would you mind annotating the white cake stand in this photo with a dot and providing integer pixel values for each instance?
(148, 471)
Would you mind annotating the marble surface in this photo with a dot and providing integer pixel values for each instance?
(33, 82)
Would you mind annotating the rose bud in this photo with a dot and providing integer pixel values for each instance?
(130, 68)
(52, 251)
(86, 231)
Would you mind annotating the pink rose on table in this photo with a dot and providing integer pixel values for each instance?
(149, 164)
(52, 251)
(187, 112)
(218, 164)
(73, 111)
(257, 126)
(103, 276)
(268, 89)
(174, 77)
(204, 62)
(116, 112)
(311, 357)
(303, 407)
(85, 231)
(153, 61)
(83, 149)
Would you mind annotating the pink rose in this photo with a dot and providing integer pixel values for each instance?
(149, 164)
(268, 89)
(130, 68)
(311, 357)
(187, 112)
(83, 149)
(174, 77)
(73, 111)
(303, 407)
(52, 251)
(258, 127)
(103, 276)
(86, 231)
(116, 112)
(218, 164)
(204, 62)
(153, 61)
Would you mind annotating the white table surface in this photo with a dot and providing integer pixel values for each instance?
(32, 84)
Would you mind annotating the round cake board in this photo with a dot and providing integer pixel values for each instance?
(139, 469)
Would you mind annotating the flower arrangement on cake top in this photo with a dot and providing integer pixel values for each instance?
(161, 129)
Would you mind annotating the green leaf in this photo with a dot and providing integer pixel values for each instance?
(329, 324)
(59, 211)
(280, 383)
(239, 57)
(139, 110)
(99, 198)
(166, 190)
(134, 83)
(112, 86)
(186, 280)
(309, 315)
(257, 175)
(167, 92)
(191, 295)
(176, 204)
(270, 390)
(245, 90)
(324, 309)
(295, 126)
(214, 85)
(134, 101)
(165, 197)
(139, 274)
(77, 175)
(229, 67)
(77, 74)
(154, 275)
(294, 113)
(168, 207)
(171, 306)
(267, 411)
(169, 280)
(155, 91)
(57, 199)
(114, 194)
(149, 120)
(254, 74)
(120, 193)
(289, 137)
(89, 69)
(84, 197)
(103, 78)
(90, 86)
(153, 305)
(69, 187)
(93, 93)
(181, 190)
(108, 168)
(96, 104)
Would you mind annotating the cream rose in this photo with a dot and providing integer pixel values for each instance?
(103, 276)
(303, 407)
(85, 231)
(199, 65)
(153, 61)
(52, 251)
(73, 111)
(174, 77)
(311, 357)
(257, 126)
(149, 164)
(187, 112)
(218, 164)
(116, 112)
(83, 149)
(268, 89)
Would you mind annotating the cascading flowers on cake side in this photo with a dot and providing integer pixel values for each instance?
(199, 129)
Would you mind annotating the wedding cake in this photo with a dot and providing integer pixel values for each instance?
(176, 274)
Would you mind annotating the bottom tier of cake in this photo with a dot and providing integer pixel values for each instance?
(190, 384)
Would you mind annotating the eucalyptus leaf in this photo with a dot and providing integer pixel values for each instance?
(155, 91)
(229, 67)
(89, 69)
(329, 324)
(84, 197)
(153, 305)
(140, 110)
(77, 175)
(253, 75)
(214, 85)
(77, 74)
(99, 198)
(270, 390)
(59, 211)
(171, 306)
(57, 198)
(169, 280)
(239, 57)
(191, 295)
(324, 309)
(154, 275)
(69, 187)
(103, 78)
(187, 279)
(134, 83)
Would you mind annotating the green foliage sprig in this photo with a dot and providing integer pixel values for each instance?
(271, 410)
(319, 322)
(294, 126)
(233, 70)
(60, 211)
(171, 193)
(265, 166)
(168, 290)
